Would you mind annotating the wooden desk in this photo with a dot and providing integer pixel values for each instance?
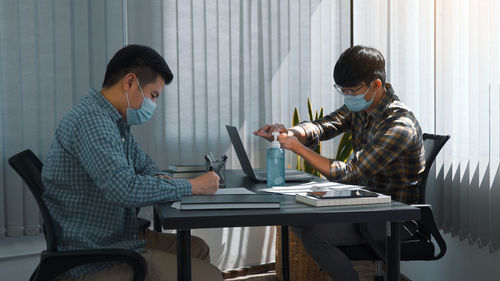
(290, 213)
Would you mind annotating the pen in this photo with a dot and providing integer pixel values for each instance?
(212, 158)
(219, 167)
(210, 166)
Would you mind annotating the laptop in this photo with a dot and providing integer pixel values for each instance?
(260, 175)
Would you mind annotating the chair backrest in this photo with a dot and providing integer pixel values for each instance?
(432, 145)
(29, 167)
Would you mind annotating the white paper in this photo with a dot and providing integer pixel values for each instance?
(234, 190)
(308, 187)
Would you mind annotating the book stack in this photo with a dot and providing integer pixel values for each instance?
(334, 198)
(227, 201)
(186, 171)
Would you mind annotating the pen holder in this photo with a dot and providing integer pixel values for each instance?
(219, 167)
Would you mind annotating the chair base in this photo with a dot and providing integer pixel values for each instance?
(379, 273)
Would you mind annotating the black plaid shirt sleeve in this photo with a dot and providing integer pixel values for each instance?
(388, 147)
(327, 127)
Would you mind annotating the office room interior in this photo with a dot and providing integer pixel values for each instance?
(252, 62)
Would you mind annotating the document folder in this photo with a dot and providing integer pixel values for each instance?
(230, 201)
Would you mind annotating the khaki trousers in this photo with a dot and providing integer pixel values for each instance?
(161, 258)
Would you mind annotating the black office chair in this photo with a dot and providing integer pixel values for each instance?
(420, 247)
(54, 262)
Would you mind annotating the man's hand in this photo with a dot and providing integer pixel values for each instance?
(290, 142)
(205, 184)
(267, 130)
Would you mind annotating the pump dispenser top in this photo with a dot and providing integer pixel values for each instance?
(275, 142)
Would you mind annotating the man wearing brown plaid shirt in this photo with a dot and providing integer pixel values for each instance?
(388, 152)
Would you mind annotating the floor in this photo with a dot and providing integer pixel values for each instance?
(270, 276)
(366, 270)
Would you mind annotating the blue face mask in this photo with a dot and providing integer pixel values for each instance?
(358, 102)
(143, 114)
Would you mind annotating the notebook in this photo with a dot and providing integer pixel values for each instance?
(229, 201)
(260, 175)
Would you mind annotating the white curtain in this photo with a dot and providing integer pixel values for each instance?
(443, 59)
(467, 75)
(247, 63)
(403, 32)
(50, 53)
(244, 63)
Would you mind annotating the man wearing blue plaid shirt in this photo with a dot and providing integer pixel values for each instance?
(96, 175)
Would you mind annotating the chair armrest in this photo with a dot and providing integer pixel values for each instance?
(428, 224)
(54, 263)
(143, 223)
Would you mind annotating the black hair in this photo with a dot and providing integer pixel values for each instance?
(359, 64)
(143, 61)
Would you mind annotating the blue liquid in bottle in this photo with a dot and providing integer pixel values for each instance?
(275, 163)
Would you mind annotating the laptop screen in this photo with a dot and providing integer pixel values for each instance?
(240, 150)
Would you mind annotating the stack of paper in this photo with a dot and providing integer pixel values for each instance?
(308, 187)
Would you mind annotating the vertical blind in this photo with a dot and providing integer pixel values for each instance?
(443, 58)
(468, 108)
(243, 63)
(247, 63)
(50, 53)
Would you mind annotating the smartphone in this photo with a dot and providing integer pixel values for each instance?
(331, 194)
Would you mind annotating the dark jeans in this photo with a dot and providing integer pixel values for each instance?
(321, 243)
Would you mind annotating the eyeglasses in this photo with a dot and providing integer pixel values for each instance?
(347, 92)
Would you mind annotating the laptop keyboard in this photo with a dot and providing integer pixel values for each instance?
(288, 172)
(261, 173)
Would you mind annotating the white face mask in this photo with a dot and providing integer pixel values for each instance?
(143, 114)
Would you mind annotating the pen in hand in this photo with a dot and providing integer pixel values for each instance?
(220, 166)
(210, 165)
(216, 165)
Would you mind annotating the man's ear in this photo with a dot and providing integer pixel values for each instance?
(128, 81)
(377, 83)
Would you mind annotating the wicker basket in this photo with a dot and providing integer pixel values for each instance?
(302, 267)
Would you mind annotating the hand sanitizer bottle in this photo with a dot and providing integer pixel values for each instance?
(275, 163)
